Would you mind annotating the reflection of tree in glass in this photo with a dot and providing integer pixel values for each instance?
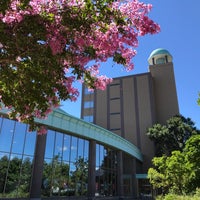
(55, 177)
(25, 175)
(3, 170)
(15, 177)
(79, 177)
(106, 175)
(58, 181)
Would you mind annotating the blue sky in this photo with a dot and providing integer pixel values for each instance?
(180, 35)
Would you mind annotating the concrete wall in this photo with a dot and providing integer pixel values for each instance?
(127, 109)
(165, 94)
(132, 104)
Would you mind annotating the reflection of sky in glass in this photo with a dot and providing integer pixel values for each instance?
(72, 167)
(86, 150)
(2, 154)
(68, 148)
(66, 152)
(19, 136)
(74, 148)
(80, 148)
(15, 156)
(30, 143)
(17, 142)
(59, 144)
(50, 144)
(15, 138)
(99, 155)
(6, 135)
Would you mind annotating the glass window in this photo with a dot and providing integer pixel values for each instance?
(74, 146)
(87, 91)
(1, 119)
(86, 149)
(4, 161)
(66, 147)
(13, 175)
(106, 171)
(88, 118)
(47, 177)
(65, 166)
(49, 151)
(56, 175)
(29, 148)
(88, 104)
(19, 138)
(6, 135)
(25, 177)
(160, 61)
(59, 145)
(80, 147)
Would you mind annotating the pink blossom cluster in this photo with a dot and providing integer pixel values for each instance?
(102, 82)
(103, 40)
(42, 130)
(68, 83)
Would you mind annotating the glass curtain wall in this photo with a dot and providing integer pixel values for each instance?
(65, 165)
(106, 171)
(17, 147)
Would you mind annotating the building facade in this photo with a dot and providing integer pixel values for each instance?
(132, 104)
(104, 155)
(74, 160)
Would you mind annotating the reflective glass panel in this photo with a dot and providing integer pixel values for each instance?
(88, 91)
(13, 175)
(6, 135)
(106, 171)
(88, 118)
(47, 177)
(88, 104)
(25, 177)
(74, 149)
(80, 147)
(49, 151)
(59, 145)
(66, 147)
(19, 138)
(29, 148)
(86, 149)
(4, 161)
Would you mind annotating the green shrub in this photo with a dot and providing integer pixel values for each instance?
(197, 193)
(171, 196)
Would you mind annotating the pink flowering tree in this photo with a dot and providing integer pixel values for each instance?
(46, 45)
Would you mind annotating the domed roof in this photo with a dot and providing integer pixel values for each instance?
(159, 51)
(159, 56)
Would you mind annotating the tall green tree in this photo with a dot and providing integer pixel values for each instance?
(173, 135)
(180, 172)
(192, 153)
(171, 173)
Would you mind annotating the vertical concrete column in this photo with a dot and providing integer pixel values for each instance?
(36, 182)
(91, 169)
(120, 188)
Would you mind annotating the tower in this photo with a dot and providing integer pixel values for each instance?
(164, 86)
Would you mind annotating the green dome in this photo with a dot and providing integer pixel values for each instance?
(159, 56)
(159, 51)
